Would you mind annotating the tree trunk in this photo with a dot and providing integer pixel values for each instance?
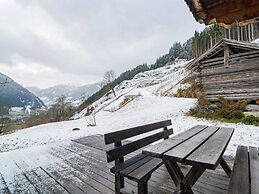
(113, 91)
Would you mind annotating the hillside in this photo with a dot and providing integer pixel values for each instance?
(75, 94)
(149, 105)
(13, 94)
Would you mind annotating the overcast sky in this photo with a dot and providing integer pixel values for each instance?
(50, 42)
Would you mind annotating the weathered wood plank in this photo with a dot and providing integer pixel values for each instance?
(93, 183)
(228, 81)
(127, 133)
(221, 70)
(14, 178)
(145, 169)
(182, 151)
(94, 141)
(208, 154)
(36, 181)
(233, 56)
(233, 97)
(235, 85)
(158, 149)
(3, 186)
(232, 72)
(127, 163)
(133, 146)
(135, 165)
(233, 91)
(226, 56)
(232, 60)
(254, 169)
(239, 181)
(65, 178)
(49, 181)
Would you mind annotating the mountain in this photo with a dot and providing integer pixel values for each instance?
(75, 94)
(13, 94)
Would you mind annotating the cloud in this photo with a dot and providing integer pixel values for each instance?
(80, 39)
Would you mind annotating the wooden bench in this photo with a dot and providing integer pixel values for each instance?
(245, 175)
(139, 167)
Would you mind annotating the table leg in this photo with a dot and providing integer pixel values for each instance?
(225, 166)
(183, 183)
(171, 170)
(192, 176)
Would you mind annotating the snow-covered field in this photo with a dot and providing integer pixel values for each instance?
(147, 108)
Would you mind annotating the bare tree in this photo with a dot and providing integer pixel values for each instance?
(90, 116)
(109, 77)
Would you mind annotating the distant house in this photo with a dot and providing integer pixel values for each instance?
(229, 69)
(16, 111)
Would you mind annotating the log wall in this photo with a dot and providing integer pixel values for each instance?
(237, 80)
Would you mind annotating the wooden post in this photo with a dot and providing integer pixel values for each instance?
(119, 180)
(226, 56)
(252, 31)
(165, 129)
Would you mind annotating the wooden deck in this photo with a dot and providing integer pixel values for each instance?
(80, 166)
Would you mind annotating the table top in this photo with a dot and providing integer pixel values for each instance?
(200, 145)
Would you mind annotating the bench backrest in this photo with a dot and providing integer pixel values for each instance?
(121, 150)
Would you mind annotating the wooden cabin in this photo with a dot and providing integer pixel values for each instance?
(226, 13)
(229, 69)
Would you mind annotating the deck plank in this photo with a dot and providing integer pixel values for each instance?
(3, 186)
(68, 181)
(14, 178)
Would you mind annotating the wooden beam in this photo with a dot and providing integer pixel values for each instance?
(226, 56)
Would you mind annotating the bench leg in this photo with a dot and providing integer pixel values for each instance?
(143, 187)
(119, 183)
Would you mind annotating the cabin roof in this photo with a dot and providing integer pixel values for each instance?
(218, 49)
(226, 13)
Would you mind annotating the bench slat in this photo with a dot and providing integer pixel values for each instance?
(127, 133)
(239, 181)
(183, 150)
(136, 165)
(133, 146)
(145, 169)
(208, 154)
(127, 163)
(157, 150)
(254, 169)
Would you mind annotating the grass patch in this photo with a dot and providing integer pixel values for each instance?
(11, 127)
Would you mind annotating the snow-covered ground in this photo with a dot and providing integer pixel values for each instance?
(149, 107)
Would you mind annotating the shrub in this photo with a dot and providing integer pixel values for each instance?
(203, 106)
(230, 109)
(231, 105)
(230, 114)
(251, 120)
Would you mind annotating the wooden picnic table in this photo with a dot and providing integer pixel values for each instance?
(202, 147)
